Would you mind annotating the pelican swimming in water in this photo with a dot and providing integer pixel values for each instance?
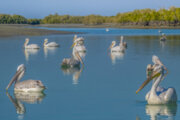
(163, 37)
(115, 48)
(157, 94)
(30, 46)
(74, 61)
(107, 30)
(27, 85)
(51, 44)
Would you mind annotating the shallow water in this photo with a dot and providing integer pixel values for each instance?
(103, 89)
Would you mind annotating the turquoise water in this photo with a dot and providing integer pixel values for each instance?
(103, 89)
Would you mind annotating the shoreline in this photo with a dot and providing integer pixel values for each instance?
(107, 25)
(11, 30)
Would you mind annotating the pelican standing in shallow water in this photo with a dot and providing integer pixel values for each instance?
(51, 44)
(31, 46)
(157, 94)
(27, 85)
(115, 48)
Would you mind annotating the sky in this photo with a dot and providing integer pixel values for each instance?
(42, 8)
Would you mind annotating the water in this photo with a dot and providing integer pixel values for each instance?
(103, 89)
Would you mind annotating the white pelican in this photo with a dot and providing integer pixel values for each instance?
(27, 85)
(117, 48)
(31, 46)
(107, 30)
(78, 47)
(51, 44)
(163, 37)
(157, 94)
(72, 62)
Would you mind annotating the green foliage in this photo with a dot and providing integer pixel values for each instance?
(144, 17)
(17, 19)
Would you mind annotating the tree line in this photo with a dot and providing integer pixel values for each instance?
(144, 17)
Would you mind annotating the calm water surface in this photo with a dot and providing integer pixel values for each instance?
(103, 90)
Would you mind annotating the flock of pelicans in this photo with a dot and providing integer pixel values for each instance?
(155, 72)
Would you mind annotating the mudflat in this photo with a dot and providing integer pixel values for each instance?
(9, 30)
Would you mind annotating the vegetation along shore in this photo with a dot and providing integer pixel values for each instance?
(144, 17)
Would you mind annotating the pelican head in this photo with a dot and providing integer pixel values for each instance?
(149, 70)
(112, 44)
(26, 41)
(156, 60)
(19, 74)
(45, 41)
(21, 67)
(156, 71)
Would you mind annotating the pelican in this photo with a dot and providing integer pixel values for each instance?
(72, 62)
(122, 43)
(163, 37)
(107, 30)
(31, 46)
(27, 85)
(51, 44)
(117, 48)
(78, 47)
(157, 94)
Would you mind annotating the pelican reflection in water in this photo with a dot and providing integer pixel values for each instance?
(26, 85)
(25, 97)
(49, 50)
(29, 52)
(75, 71)
(74, 61)
(158, 112)
(158, 94)
(116, 56)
